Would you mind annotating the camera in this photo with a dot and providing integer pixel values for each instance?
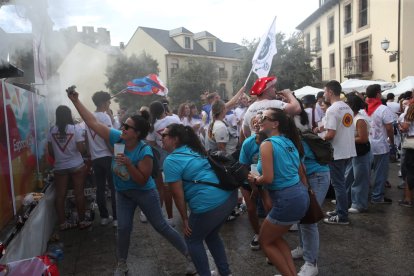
(71, 89)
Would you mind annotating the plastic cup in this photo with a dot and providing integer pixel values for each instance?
(253, 169)
(118, 148)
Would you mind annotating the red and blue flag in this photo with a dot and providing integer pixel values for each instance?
(148, 85)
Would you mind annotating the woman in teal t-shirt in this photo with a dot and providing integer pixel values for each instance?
(281, 171)
(209, 206)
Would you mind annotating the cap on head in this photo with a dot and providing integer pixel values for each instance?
(262, 84)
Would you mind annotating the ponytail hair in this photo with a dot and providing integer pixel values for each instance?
(409, 116)
(288, 128)
(186, 136)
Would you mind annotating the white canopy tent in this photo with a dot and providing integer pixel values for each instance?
(307, 90)
(361, 85)
(406, 84)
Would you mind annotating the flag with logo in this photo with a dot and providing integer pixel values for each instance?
(148, 85)
(262, 59)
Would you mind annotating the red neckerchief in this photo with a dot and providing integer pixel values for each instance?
(373, 104)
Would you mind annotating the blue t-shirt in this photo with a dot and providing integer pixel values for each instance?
(187, 165)
(311, 165)
(285, 163)
(249, 153)
(122, 179)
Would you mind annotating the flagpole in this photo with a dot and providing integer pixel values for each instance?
(251, 70)
(120, 92)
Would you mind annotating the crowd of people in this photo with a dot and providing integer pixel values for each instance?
(164, 162)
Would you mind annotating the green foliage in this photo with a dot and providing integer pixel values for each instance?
(291, 65)
(187, 84)
(126, 69)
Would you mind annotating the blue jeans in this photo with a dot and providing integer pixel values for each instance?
(357, 181)
(380, 166)
(338, 168)
(149, 202)
(309, 233)
(205, 227)
(102, 173)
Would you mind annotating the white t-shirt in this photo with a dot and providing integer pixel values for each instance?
(395, 107)
(239, 112)
(159, 127)
(339, 118)
(64, 147)
(309, 112)
(221, 134)
(260, 106)
(97, 146)
(378, 133)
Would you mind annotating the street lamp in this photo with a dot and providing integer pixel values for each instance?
(385, 44)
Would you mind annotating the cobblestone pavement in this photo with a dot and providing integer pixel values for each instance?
(379, 242)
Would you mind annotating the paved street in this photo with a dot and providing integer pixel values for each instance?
(379, 242)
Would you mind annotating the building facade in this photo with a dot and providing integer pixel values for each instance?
(177, 48)
(345, 37)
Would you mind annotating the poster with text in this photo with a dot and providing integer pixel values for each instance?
(6, 198)
(22, 141)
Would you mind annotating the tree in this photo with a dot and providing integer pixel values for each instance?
(188, 84)
(126, 69)
(291, 64)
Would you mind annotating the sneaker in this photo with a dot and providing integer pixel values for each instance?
(190, 269)
(385, 200)
(121, 269)
(268, 261)
(401, 185)
(254, 245)
(331, 213)
(170, 222)
(405, 203)
(293, 228)
(231, 218)
(115, 223)
(297, 253)
(336, 220)
(308, 269)
(105, 221)
(333, 201)
(143, 217)
(353, 210)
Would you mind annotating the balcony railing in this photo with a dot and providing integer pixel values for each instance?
(323, 75)
(358, 66)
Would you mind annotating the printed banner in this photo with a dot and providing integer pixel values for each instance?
(22, 142)
(6, 198)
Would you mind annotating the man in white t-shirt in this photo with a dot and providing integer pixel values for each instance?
(381, 137)
(101, 155)
(340, 131)
(264, 89)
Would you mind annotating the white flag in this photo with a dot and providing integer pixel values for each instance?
(262, 59)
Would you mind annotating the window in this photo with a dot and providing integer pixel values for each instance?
(211, 46)
(363, 48)
(363, 13)
(187, 42)
(348, 54)
(318, 38)
(331, 30)
(332, 60)
(307, 41)
(348, 19)
(174, 66)
(222, 91)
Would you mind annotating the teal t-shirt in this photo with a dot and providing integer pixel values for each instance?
(311, 165)
(249, 153)
(186, 165)
(122, 179)
(285, 163)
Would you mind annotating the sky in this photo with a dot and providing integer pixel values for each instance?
(228, 20)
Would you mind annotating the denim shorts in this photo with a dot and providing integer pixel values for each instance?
(289, 205)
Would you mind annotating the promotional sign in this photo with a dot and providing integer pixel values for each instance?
(6, 197)
(22, 141)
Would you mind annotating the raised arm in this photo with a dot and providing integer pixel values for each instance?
(233, 101)
(87, 116)
(292, 107)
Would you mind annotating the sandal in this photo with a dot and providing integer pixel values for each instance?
(84, 224)
(66, 226)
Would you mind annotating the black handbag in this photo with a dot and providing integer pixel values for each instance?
(362, 149)
(314, 212)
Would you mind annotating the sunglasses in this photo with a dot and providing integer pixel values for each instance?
(127, 127)
(164, 134)
(264, 117)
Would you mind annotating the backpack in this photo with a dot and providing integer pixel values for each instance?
(229, 171)
(321, 148)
